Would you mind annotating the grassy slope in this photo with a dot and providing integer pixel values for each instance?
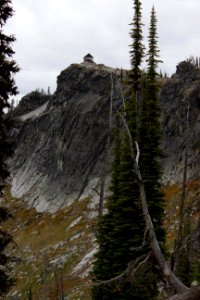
(192, 206)
(50, 246)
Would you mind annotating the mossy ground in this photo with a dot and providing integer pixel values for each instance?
(48, 247)
(191, 212)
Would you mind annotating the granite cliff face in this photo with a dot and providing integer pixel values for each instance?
(180, 98)
(60, 146)
(62, 137)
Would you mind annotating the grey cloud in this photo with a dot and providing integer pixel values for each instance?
(53, 34)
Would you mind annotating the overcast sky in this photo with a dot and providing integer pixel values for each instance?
(52, 34)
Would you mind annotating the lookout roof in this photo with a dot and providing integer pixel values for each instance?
(88, 56)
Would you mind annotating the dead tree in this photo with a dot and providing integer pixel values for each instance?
(105, 153)
(182, 204)
(59, 284)
(182, 291)
(191, 294)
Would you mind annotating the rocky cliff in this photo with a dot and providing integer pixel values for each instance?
(60, 147)
(62, 137)
(180, 98)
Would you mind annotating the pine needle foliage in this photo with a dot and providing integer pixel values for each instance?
(8, 88)
(137, 46)
(153, 51)
(121, 231)
(151, 135)
(150, 138)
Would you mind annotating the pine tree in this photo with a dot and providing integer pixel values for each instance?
(150, 137)
(151, 134)
(143, 121)
(103, 266)
(8, 68)
(121, 230)
(135, 77)
(153, 51)
(137, 46)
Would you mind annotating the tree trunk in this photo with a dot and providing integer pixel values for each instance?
(191, 294)
(183, 292)
(105, 154)
(171, 278)
(173, 281)
(179, 244)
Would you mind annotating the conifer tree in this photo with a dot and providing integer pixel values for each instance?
(150, 136)
(153, 51)
(121, 230)
(137, 46)
(103, 266)
(8, 68)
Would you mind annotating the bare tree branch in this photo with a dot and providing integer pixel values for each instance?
(191, 294)
(137, 153)
(122, 93)
(177, 251)
(141, 263)
(111, 101)
(105, 154)
(143, 243)
(131, 269)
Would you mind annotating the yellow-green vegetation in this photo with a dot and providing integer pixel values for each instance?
(53, 252)
(48, 249)
(172, 196)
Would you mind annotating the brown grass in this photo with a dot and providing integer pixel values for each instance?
(39, 235)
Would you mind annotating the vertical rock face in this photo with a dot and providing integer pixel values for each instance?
(180, 98)
(62, 138)
(61, 141)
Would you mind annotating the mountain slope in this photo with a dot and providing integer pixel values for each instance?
(61, 142)
(52, 252)
(62, 137)
(180, 98)
(58, 164)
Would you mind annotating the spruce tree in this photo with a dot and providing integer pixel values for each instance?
(137, 46)
(136, 54)
(121, 230)
(103, 266)
(150, 137)
(8, 68)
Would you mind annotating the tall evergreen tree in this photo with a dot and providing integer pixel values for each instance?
(137, 46)
(153, 51)
(121, 230)
(8, 68)
(150, 137)
(136, 55)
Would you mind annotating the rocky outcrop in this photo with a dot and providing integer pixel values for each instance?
(30, 102)
(62, 138)
(61, 141)
(180, 98)
(60, 146)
